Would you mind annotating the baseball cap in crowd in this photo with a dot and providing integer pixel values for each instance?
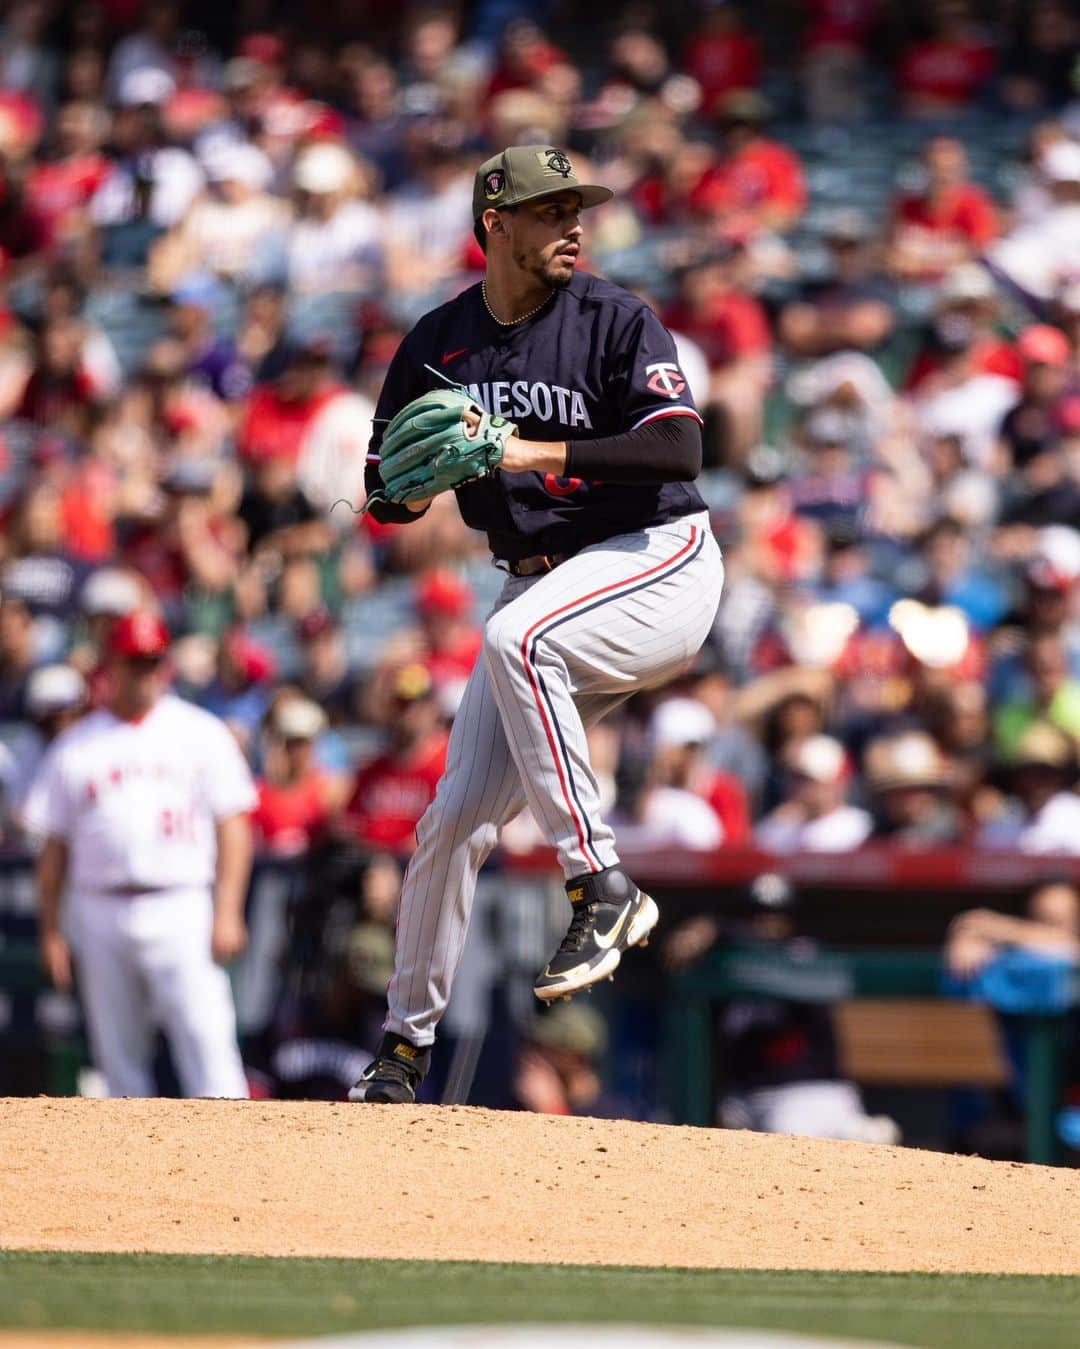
(441, 592)
(199, 290)
(576, 1028)
(139, 635)
(109, 592)
(744, 106)
(240, 73)
(145, 86)
(678, 722)
(911, 759)
(191, 477)
(1061, 162)
(299, 719)
(264, 49)
(411, 683)
(251, 660)
(847, 225)
(1043, 745)
(243, 163)
(1041, 344)
(323, 168)
(1055, 558)
(966, 283)
(522, 173)
(828, 426)
(54, 688)
(821, 759)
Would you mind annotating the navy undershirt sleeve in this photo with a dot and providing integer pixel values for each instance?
(665, 450)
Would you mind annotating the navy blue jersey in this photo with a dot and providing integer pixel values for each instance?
(596, 361)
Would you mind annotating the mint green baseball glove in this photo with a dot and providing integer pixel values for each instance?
(427, 449)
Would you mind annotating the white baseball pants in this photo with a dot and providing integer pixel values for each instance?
(143, 963)
(561, 649)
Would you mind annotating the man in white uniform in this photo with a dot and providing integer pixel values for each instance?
(142, 809)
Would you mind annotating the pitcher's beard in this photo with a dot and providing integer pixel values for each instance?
(555, 280)
(547, 273)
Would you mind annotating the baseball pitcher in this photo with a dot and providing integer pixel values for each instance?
(552, 403)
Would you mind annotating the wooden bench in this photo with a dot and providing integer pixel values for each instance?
(919, 1042)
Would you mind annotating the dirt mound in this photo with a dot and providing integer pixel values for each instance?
(278, 1178)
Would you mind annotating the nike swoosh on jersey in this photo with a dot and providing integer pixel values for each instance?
(451, 354)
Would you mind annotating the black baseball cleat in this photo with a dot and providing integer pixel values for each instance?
(610, 915)
(392, 1076)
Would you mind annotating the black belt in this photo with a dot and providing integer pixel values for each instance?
(131, 891)
(534, 566)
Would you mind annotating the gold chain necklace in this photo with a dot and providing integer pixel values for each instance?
(511, 323)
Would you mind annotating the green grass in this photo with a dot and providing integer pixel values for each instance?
(307, 1297)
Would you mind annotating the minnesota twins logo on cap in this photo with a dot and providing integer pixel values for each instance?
(494, 183)
(554, 161)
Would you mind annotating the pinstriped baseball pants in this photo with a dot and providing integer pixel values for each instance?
(560, 650)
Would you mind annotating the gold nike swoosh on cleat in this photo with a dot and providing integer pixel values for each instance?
(607, 940)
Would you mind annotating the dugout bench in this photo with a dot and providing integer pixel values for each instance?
(864, 985)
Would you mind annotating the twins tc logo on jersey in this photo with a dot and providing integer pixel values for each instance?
(555, 163)
(665, 378)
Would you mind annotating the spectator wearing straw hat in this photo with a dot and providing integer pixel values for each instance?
(1042, 814)
(909, 783)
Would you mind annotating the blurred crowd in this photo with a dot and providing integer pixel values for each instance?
(863, 226)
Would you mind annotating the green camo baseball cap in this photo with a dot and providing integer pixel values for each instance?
(525, 173)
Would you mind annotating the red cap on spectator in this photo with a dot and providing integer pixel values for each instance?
(326, 122)
(253, 662)
(139, 634)
(1042, 345)
(441, 592)
(264, 48)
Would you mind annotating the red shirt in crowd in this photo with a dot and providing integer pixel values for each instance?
(290, 818)
(721, 63)
(727, 796)
(966, 211)
(86, 508)
(990, 356)
(391, 794)
(272, 426)
(762, 174)
(455, 661)
(54, 190)
(945, 71)
(47, 398)
(732, 327)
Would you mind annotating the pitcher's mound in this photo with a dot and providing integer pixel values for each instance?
(423, 1182)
